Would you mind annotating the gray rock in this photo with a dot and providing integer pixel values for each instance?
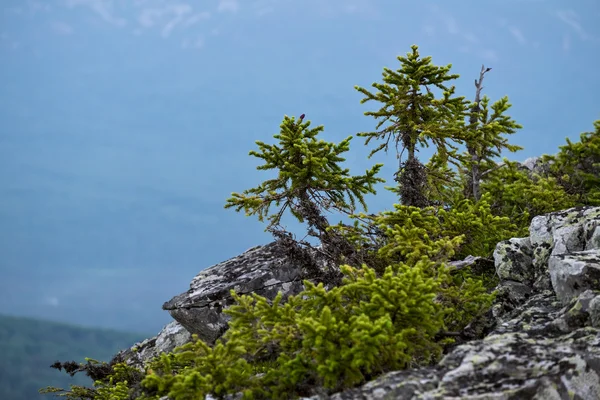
(573, 273)
(171, 336)
(594, 311)
(510, 295)
(514, 260)
(581, 311)
(531, 162)
(476, 263)
(570, 230)
(263, 270)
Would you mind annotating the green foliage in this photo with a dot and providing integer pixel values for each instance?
(423, 234)
(482, 229)
(412, 109)
(520, 198)
(307, 169)
(364, 236)
(416, 116)
(485, 134)
(465, 297)
(410, 230)
(576, 167)
(116, 387)
(483, 138)
(112, 381)
(195, 369)
(413, 233)
(437, 235)
(444, 186)
(76, 392)
(332, 339)
(431, 233)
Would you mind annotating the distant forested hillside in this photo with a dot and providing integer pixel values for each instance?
(28, 347)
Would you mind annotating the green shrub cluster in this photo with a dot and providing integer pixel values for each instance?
(521, 198)
(576, 167)
(330, 339)
(474, 223)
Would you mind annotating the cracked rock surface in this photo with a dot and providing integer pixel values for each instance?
(263, 270)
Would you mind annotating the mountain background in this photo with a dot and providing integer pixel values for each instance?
(125, 125)
(29, 346)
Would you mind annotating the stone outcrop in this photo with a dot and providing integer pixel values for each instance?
(546, 339)
(264, 270)
(171, 336)
(542, 335)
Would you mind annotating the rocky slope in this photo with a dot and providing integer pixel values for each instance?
(541, 339)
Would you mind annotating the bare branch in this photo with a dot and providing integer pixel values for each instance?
(478, 87)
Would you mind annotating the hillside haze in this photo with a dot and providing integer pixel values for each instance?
(29, 346)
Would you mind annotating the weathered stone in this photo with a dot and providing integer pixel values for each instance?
(263, 270)
(594, 310)
(171, 336)
(510, 295)
(591, 230)
(513, 259)
(570, 230)
(476, 264)
(565, 231)
(572, 274)
(579, 312)
(468, 261)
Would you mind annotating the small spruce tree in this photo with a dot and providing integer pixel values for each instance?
(483, 134)
(309, 179)
(416, 116)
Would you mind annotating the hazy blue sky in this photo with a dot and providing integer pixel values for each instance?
(125, 125)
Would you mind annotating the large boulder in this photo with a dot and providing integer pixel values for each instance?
(264, 270)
